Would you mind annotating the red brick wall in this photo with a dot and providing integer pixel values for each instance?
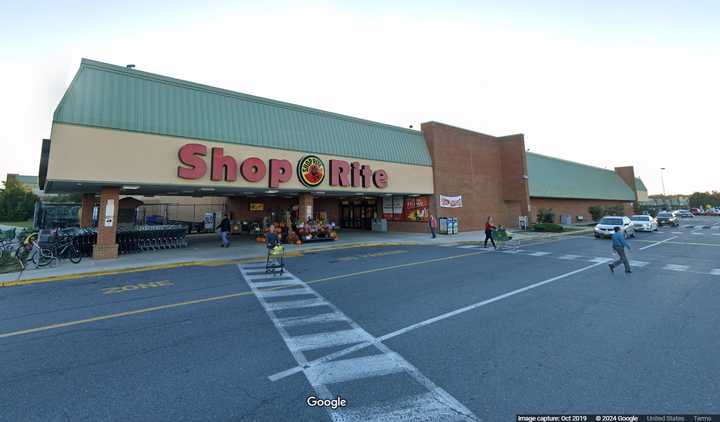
(574, 207)
(486, 170)
(408, 227)
(329, 205)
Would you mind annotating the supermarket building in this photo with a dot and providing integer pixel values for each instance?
(120, 131)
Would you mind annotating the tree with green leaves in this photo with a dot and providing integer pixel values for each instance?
(16, 203)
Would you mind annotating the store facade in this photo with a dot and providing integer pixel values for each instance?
(121, 132)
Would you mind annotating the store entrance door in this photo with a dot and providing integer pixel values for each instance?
(357, 214)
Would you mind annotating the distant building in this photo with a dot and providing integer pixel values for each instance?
(30, 183)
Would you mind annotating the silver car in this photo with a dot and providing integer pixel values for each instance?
(644, 223)
(606, 226)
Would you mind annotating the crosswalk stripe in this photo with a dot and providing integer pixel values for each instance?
(598, 259)
(569, 257)
(422, 407)
(327, 339)
(539, 253)
(715, 271)
(469, 246)
(294, 304)
(639, 263)
(276, 283)
(352, 369)
(676, 267)
(697, 233)
(312, 319)
(284, 292)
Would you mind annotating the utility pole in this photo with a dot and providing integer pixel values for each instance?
(662, 179)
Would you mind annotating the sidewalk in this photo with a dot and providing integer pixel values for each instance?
(205, 250)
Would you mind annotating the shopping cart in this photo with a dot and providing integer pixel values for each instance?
(504, 240)
(275, 262)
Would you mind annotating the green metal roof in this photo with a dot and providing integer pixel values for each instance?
(114, 97)
(639, 185)
(551, 177)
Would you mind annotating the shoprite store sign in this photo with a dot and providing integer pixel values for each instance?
(310, 169)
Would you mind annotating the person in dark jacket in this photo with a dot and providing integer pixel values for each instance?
(432, 223)
(488, 232)
(224, 227)
(619, 244)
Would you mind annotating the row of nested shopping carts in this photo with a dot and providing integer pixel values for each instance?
(137, 238)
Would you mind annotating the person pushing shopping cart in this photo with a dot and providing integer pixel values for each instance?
(275, 257)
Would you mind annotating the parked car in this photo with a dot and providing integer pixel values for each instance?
(606, 226)
(644, 223)
(697, 211)
(685, 214)
(667, 218)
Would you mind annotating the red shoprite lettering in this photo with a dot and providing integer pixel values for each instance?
(225, 168)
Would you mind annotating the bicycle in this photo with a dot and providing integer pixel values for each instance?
(24, 251)
(7, 242)
(55, 250)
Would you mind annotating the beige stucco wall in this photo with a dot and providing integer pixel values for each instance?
(85, 154)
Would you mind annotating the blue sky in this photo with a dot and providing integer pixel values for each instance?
(606, 83)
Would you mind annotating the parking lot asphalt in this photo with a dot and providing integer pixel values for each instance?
(413, 333)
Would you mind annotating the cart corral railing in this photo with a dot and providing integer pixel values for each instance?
(191, 215)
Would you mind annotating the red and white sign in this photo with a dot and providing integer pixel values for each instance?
(450, 201)
(311, 169)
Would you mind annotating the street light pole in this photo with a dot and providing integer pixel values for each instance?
(662, 179)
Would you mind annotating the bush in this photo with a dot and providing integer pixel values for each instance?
(545, 216)
(596, 212)
(548, 227)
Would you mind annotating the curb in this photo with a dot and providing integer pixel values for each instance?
(206, 263)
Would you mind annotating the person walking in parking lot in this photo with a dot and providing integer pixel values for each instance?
(489, 226)
(619, 244)
(224, 227)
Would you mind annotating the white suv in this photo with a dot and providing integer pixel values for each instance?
(606, 226)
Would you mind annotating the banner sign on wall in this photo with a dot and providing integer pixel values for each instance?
(450, 201)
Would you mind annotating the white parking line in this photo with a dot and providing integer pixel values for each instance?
(657, 243)
(378, 340)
